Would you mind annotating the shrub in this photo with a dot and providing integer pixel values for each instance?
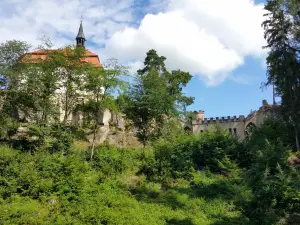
(61, 138)
(270, 178)
(112, 161)
(274, 130)
(213, 151)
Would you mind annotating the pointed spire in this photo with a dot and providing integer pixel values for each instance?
(80, 39)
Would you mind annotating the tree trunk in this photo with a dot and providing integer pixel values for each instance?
(45, 112)
(297, 139)
(144, 138)
(44, 118)
(94, 141)
(96, 126)
(66, 108)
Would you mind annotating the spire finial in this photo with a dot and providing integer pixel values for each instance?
(80, 39)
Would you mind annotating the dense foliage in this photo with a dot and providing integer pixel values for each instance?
(44, 188)
(49, 176)
(155, 96)
(183, 180)
(282, 26)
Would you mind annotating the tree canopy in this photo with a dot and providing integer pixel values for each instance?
(156, 95)
(282, 28)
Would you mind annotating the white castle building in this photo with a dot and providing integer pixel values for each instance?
(88, 57)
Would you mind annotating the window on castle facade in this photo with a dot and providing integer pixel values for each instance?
(234, 131)
(230, 130)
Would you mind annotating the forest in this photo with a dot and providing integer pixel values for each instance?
(54, 174)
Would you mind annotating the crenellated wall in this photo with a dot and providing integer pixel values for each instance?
(235, 125)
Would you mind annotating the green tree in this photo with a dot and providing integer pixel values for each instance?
(72, 73)
(282, 35)
(100, 85)
(10, 53)
(11, 96)
(36, 86)
(156, 96)
(41, 81)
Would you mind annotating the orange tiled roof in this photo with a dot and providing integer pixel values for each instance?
(89, 56)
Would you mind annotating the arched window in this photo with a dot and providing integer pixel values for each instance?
(249, 129)
(188, 130)
(234, 132)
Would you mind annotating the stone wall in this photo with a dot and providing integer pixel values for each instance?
(235, 125)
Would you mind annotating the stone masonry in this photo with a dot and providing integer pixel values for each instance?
(235, 125)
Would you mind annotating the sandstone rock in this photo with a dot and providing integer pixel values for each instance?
(22, 129)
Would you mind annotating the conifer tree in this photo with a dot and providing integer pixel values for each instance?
(282, 27)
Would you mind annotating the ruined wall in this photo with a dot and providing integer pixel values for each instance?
(234, 125)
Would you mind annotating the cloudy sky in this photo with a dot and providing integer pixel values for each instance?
(219, 42)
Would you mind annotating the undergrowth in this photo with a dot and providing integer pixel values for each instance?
(45, 188)
(187, 180)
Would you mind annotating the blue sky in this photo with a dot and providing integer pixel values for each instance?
(220, 46)
(233, 97)
(230, 97)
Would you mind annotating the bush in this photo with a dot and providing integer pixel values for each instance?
(269, 178)
(274, 130)
(274, 183)
(50, 188)
(61, 138)
(214, 151)
(113, 161)
(148, 164)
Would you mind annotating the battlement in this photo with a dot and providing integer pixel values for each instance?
(213, 120)
(198, 117)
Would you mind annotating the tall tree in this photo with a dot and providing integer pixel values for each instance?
(282, 34)
(155, 96)
(36, 85)
(100, 85)
(10, 53)
(10, 95)
(72, 75)
(10, 76)
(41, 81)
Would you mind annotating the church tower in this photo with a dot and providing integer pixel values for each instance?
(80, 39)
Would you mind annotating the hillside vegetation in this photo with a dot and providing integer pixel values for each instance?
(208, 179)
(52, 172)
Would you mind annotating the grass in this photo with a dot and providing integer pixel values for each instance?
(42, 188)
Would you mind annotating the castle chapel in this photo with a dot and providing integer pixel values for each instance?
(88, 57)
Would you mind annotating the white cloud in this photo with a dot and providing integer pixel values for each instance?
(134, 66)
(210, 38)
(59, 19)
